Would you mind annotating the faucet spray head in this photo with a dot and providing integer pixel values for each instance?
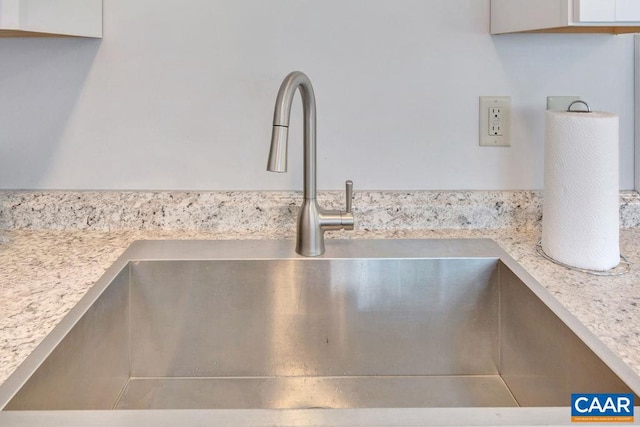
(278, 152)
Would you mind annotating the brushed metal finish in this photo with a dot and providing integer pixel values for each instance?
(90, 366)
(317, 392)
(376, 417)
(312, 220)
(250, 326)
(320, 318)
(349, 195)
(542, 360)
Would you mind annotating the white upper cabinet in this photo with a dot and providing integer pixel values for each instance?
(606, 11)
(21, 18)
(569, 16)
(628, 11)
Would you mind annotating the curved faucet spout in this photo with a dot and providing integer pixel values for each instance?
(312, 221)
(280, 135)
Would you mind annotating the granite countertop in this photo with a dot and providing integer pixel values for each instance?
(45, 271)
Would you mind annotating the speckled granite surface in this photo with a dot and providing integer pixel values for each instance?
(274, 211)
(233, 211)
(55, 248)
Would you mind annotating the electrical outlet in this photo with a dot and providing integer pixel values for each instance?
(495, 121)
(496, 117)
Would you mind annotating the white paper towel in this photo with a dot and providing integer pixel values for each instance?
(580, 222)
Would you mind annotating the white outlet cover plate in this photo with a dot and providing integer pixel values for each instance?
(487, 102)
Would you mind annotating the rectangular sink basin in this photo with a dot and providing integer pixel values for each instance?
(374, 328)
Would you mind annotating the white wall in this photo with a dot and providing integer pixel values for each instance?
(179, 95)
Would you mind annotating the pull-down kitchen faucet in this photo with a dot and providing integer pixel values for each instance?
(312, 220)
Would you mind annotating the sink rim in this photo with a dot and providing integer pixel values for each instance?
(194, 250)
(294, 417)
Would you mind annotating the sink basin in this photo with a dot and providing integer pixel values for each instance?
(374, 328)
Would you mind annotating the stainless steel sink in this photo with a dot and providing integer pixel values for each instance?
(387, 329)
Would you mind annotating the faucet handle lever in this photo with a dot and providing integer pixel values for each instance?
(349, 195)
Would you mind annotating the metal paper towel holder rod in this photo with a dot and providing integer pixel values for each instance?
(578, 111)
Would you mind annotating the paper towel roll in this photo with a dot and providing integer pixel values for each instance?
(580, 220)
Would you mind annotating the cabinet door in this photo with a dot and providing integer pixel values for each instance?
(595, 10)
(628, 10)
(565, 16)
(9, 14)
(51, 17)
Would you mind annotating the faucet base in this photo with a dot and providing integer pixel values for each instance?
(313, 222)
(310, 235)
